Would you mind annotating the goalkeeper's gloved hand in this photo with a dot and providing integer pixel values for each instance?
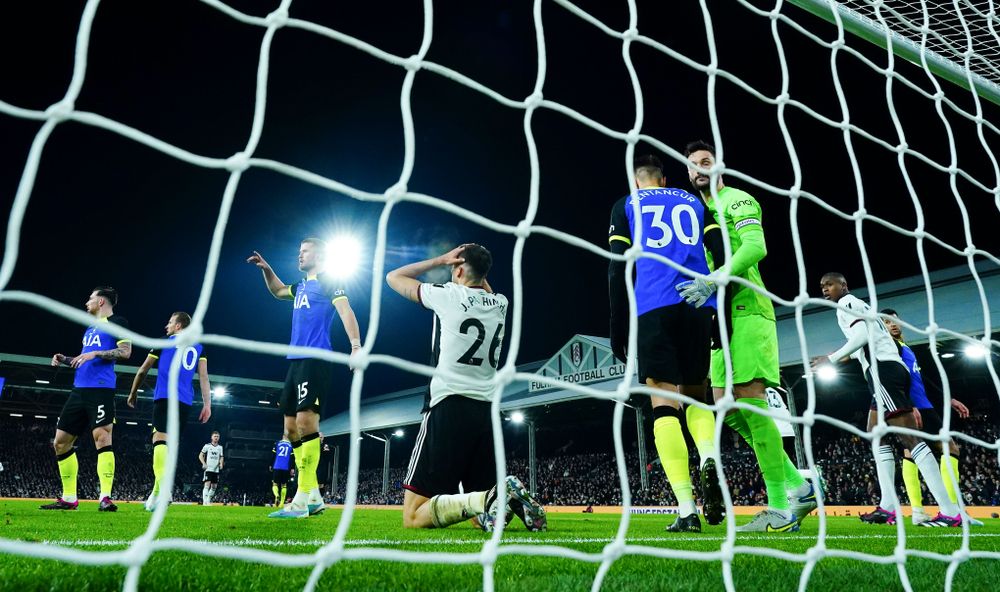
(696, 292)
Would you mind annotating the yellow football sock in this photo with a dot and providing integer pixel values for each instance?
(701, 426)
(299, 455)
(310, 462)
(284, 490)
(950, 478)
(68, 469)
(159, 464)
(911, 481)
(274, 490)
(673, 452)
(106, 470)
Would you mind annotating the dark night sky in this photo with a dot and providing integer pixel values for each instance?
(106, 210)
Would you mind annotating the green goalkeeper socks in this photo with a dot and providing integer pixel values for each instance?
(735, 420)
(770, 454)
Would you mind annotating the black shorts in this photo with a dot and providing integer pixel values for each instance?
(160, 415)
(454, 445)
(211, 477)
(894, 392)
(675, 344)
(305, 384)
(931, 421)
(280, 476)
(86, 409)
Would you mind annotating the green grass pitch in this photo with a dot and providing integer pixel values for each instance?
(589, 533)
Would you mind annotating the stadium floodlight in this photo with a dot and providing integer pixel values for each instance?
(975, 351)
(16, 415)
(343, 256)
(398, 433)
(947, 355)
(827, 372)
(517, 417)
(39, 381)
(41, 417)
(218, 392)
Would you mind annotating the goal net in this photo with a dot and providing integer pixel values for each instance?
(939, 56)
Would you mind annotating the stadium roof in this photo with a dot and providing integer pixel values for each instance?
(588, 359)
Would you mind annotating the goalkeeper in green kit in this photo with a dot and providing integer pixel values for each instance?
(753, 346)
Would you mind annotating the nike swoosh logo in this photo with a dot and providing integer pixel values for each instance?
(784, 528)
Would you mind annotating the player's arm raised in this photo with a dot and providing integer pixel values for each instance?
(206, 391)
(140, 376)
(278, 288)
(404, 279)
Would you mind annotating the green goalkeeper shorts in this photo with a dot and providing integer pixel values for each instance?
(754, 349)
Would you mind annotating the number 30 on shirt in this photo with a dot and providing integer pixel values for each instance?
(675, 228)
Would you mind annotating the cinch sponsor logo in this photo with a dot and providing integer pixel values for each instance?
(739, 204)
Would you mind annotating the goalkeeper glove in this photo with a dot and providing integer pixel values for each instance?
(696, 292)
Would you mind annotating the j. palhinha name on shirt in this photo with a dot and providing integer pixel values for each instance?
(485, 300)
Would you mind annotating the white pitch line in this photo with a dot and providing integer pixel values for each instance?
(516, 540)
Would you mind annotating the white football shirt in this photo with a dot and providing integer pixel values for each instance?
(883, 346)
(213, 456)
(776, 404)
(468, 333)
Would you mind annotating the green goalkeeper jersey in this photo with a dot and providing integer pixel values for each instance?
(742, 216)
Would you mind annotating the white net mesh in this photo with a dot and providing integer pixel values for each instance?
(945, 29)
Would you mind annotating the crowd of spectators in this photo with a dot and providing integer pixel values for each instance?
(844, 459)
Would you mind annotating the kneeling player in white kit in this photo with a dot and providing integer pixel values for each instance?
(455, 443)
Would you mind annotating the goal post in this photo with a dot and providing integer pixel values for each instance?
(901, 27)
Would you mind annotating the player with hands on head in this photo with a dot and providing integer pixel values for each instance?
(455, 442)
